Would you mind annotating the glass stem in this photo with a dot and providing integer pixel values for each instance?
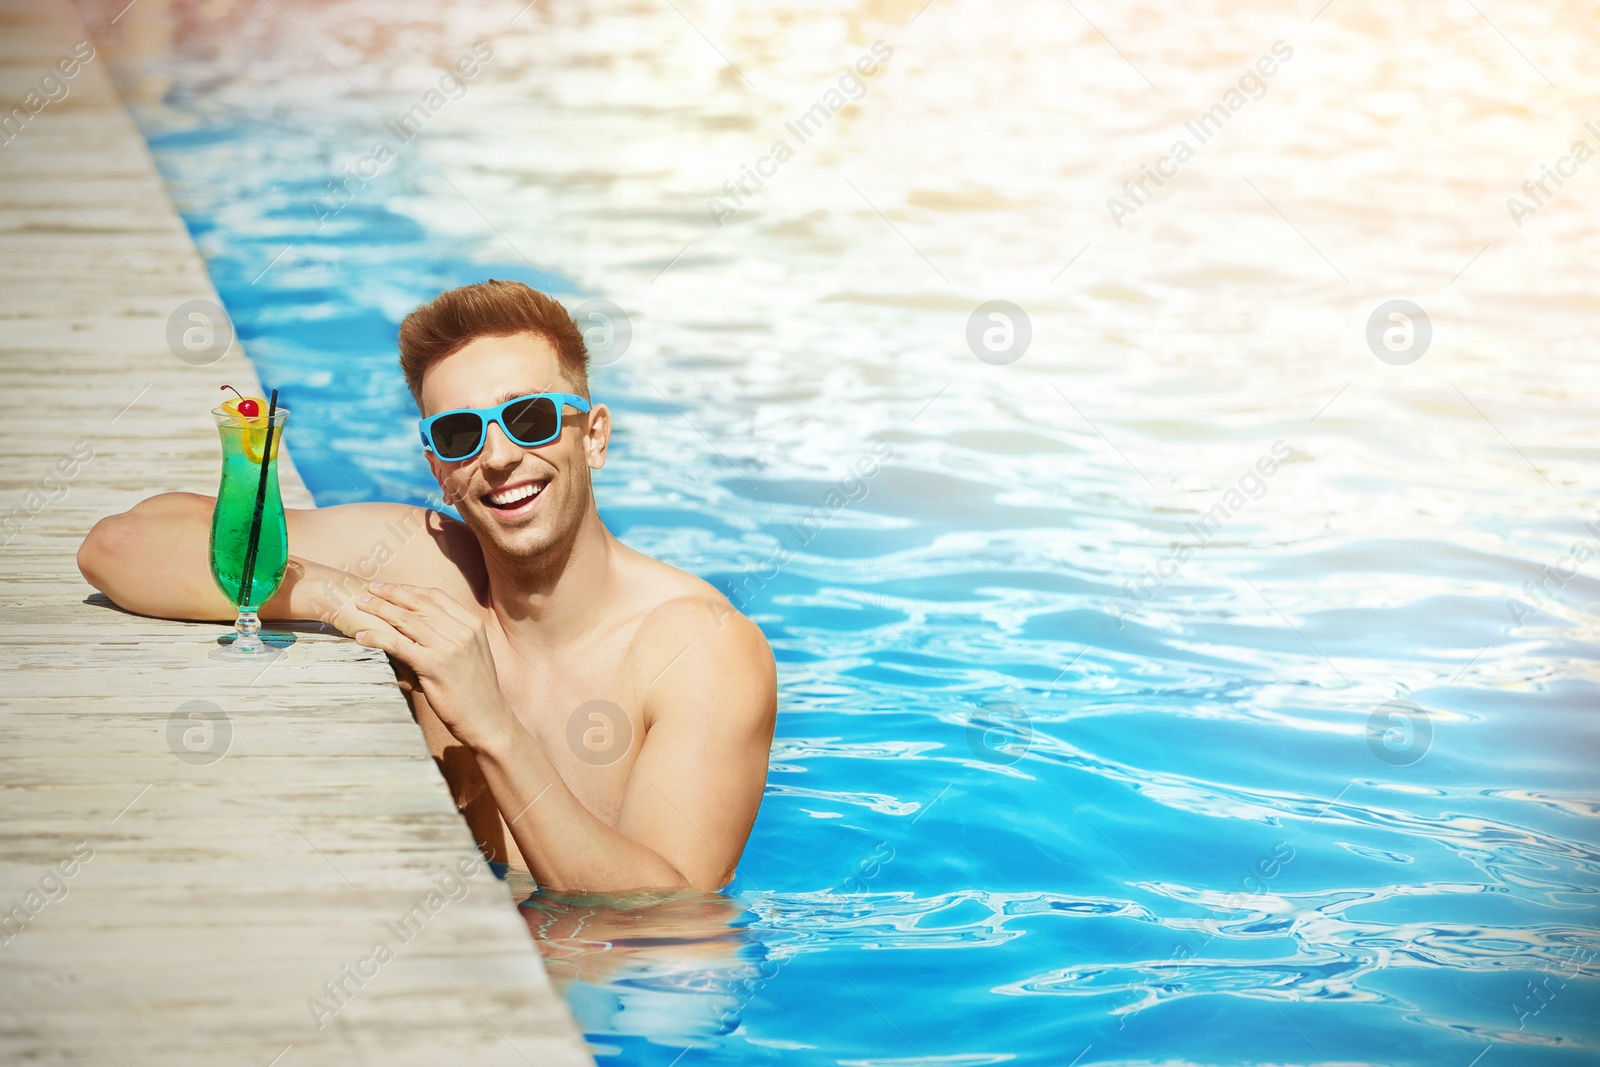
(248, 626)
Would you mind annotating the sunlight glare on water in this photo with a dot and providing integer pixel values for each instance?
(1195, 683)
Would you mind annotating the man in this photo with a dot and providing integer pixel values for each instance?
(602, 719)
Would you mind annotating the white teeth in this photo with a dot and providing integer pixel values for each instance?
(513, 496)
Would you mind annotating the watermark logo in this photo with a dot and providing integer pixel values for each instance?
(1399, 332)
(51, 487)
(855, 880)
(865, 869)
(1553, 577)
(1565, 167)
(599, 732)
(51, 887)
(333, 595)
(851, 86)
(1254, 884)
(607, 331)
(1252, 85)
(352, 179)
(851, 488)
(451, 885)
(1251, 485)
(1399, 733)
(199, 332)
(199, 733)
(1538, 997)
(999, 332)
(1000, 733)
(51, 88)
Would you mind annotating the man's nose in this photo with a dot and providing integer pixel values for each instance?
(499, 451)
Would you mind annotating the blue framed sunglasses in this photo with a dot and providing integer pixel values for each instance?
(529, 420)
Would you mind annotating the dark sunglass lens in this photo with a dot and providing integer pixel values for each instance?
(457, 435)
(533, 421)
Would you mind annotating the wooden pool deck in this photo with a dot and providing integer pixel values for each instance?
(178, 889)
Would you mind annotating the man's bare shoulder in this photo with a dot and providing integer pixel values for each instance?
(690, 637)
(394, 542)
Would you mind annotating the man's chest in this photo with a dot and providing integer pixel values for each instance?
(585, 708)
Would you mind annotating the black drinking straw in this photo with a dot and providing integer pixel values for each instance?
(261, 501)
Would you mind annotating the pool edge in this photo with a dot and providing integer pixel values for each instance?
(178, 902)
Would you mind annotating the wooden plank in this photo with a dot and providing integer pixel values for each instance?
(183, 899)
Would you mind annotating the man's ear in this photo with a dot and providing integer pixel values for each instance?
(597, 436)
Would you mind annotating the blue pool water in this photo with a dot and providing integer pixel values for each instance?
(1065, 771)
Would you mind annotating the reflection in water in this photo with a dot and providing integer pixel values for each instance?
(675, 969)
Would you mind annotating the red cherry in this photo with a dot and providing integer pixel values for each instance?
(249, 408)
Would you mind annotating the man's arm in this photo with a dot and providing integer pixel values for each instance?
(697, 782)
(695, 787)
(155, 558)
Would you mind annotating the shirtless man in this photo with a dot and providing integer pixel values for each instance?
(602, 719)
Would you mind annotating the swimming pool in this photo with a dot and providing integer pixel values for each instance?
(1203, 685)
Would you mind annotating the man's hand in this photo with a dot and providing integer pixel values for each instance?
(443, 641)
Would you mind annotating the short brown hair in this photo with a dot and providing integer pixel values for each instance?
(493, 308)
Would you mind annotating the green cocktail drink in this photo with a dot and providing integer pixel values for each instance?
(248, 504)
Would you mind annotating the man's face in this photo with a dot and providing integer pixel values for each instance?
(492, 489)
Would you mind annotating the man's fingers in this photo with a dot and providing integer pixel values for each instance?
(379, 634)
(348, 618)
(411, 623)
(424, 600)
(407, 596)
(374, 615)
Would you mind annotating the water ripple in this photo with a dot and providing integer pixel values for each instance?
(1090, 774)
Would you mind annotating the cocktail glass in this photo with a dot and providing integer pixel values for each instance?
(236, 518)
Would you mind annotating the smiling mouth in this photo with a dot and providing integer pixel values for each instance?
(515, 497)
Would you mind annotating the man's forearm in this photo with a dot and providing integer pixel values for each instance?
(154, 559)
(565, 846)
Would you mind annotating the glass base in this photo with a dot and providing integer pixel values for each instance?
(233, 653)
(246, 646)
